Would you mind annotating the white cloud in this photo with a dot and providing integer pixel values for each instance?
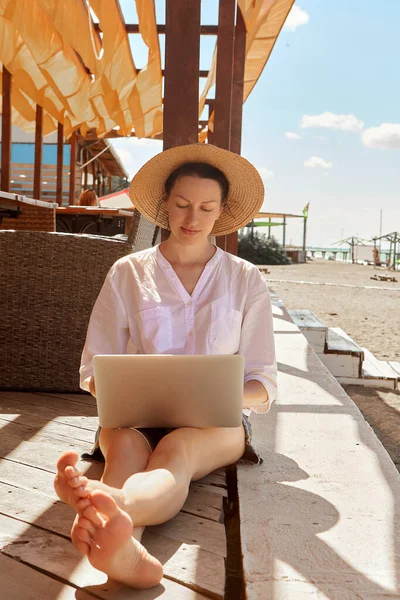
(387, 135)
(296, 18)
(316, 162)
(329, 120)
(265, 173)
(291, 135)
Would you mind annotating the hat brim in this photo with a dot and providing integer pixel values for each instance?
(246, 189)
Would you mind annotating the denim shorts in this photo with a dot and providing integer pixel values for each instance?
(153, 435)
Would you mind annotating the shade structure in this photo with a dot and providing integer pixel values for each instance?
(80, 68)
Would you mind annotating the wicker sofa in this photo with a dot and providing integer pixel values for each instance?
(49, 283)
(35, 215)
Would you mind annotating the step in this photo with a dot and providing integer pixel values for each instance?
(311, 327)
(338, 342)
(373, 368)
(395, 366)
(342, 365)
(368, 382)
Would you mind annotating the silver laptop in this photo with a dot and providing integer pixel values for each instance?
(162, 390)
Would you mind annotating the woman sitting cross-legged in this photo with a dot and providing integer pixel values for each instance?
(185, 296)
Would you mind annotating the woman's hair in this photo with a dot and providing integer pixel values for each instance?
(88, 198)
(202, 170)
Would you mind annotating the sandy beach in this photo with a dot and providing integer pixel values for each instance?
(344, 295)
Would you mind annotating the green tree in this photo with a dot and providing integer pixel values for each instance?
(261, 250)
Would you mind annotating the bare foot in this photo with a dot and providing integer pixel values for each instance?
(103, 533)
(73, 488)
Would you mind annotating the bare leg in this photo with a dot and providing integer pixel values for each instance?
(126, 452)
(186, 454)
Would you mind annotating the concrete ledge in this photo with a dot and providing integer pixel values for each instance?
(320, 517)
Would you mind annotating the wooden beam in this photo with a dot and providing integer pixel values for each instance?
(110, 184)
(93, 164)
(6, 131)
(181, 86)
(72, 169)
(224, 73)
(103, 183)
(224, 81)
(161, 29)
(37, 176)
(60, 161)
(85, 168)
(239, 57)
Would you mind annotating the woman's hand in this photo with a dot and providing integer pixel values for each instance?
(254, 394)
(92, 387)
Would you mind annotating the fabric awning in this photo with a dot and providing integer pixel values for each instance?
(89, 81)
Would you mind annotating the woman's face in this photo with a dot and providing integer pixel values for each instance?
(193, 206)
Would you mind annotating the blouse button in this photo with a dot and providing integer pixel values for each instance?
(190, 334)
(190, 303)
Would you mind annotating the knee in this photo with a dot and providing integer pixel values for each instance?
(175, 447)
(117, 444)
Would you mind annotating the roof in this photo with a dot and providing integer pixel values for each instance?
(263, 215)
(84, 75)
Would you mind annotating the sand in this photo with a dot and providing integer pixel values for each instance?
(368, 311)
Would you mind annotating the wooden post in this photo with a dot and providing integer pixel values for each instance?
(85, 169)
(181, 82)
(110, 184)
(37, 174)
(72, 169)
(93, 164)
(181, 79)
(60, 161)
(6, 131)
(103, 183)
(305, 233)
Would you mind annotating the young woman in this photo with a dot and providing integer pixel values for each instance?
(185, 296)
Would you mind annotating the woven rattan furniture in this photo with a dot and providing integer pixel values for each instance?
(49, 283)
(35, 215)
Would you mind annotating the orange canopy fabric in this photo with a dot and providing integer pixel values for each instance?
(88, 80)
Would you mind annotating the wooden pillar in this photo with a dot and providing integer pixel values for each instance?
(103, 183)
(85, 169)
(182, 64)
(37, 173)
(181, 80)
(305, 233)
(93, 165)
(6, 131)
(72, 169)
(224, 82)
(110, 184)
(60, 164)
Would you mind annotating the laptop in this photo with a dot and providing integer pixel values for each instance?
(161, 390)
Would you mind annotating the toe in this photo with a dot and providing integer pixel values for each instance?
(104, 503)
(93, 516)
(67, 459)
(77, 481)
(87, 525)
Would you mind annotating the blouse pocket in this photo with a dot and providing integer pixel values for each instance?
(155, 329)
(225, 330)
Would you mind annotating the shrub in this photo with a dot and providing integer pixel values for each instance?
(261, 250)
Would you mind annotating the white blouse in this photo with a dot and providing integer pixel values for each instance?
(143, 308)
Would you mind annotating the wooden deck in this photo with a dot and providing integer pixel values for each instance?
(37, 558)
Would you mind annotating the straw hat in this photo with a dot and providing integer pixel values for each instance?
(246, 189)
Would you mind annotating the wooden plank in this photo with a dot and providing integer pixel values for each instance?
(60, 159)
(83, 398)
(6, 129)
(181, 86)
(72, 168)
(338, 342)
(37, 180)
(38, 548)
(190, 530)
(53, 402)
(305, 319)
(203, 503)
(20, 581)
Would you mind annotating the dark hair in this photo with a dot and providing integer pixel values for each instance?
(202, 170)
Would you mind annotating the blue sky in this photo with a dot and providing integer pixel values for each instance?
(332, 84)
